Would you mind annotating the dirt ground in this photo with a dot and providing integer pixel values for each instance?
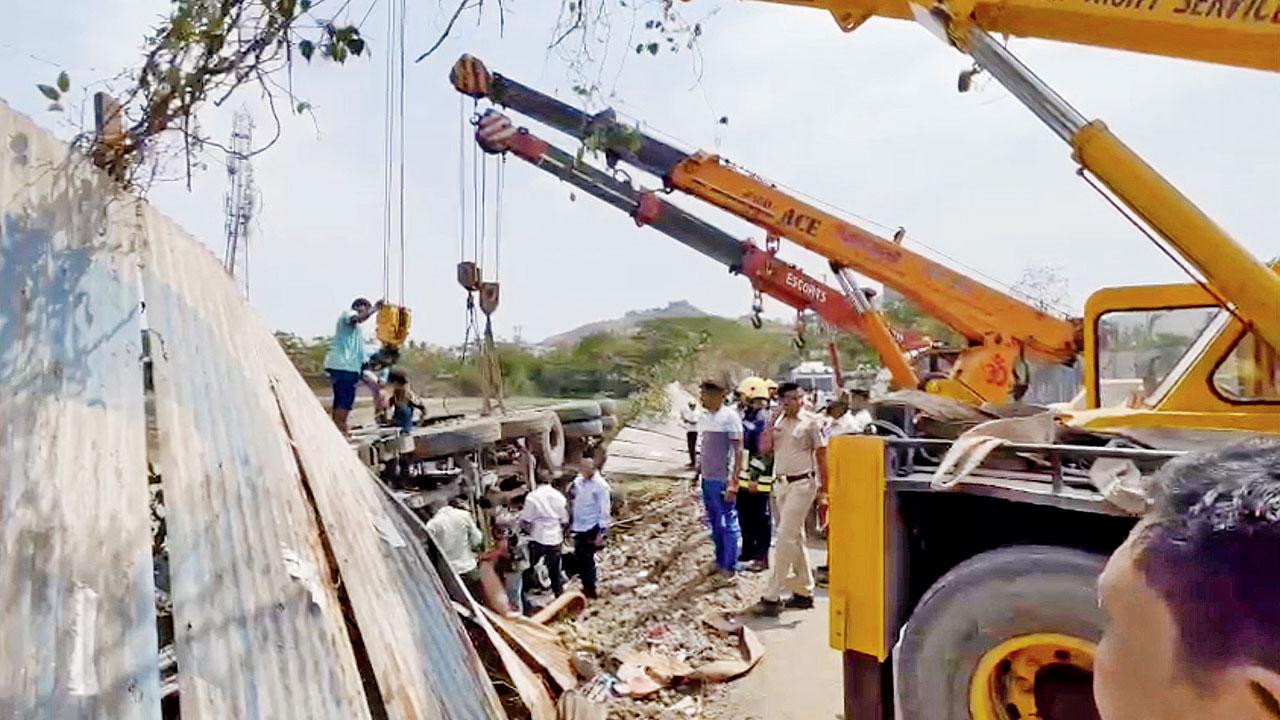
(658, 582)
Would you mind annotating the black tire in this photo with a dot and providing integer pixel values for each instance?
(577, 411)
(548, 446)
(523, 424)
(584, 428)
(446, 440)
(981, 603)
(608, 406)
(609, 422)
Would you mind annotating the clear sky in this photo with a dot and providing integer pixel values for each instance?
(870, 122)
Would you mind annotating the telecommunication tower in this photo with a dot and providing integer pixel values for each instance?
(240, 201)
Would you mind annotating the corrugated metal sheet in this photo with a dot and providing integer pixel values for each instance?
(258, 546)
(77, 620)
(260, 632)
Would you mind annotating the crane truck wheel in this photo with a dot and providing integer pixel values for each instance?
(1006, 634)
(609, 422)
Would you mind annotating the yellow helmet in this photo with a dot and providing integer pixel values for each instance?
(753, 388)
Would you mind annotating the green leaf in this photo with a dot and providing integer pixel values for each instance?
(302, 107)
(49, 92)
(305, 5)
(652, 48)
(640, 48)
(55, 107)
(355, 45)
(306, 47)
(64, 81)
(724, 120)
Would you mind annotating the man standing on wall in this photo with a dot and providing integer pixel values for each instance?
(798, 450)
(720, 428)
(345, 360)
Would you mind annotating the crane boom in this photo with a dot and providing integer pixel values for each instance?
(984, 316)
(767, 273)
(1243, 33)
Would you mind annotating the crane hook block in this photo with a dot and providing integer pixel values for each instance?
(393, 325)
(488, 297)
(469, 276)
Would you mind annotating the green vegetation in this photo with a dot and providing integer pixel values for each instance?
(638, 364)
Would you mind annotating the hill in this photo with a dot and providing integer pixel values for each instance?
(626, 324)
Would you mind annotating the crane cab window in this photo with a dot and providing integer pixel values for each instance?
(1251, 371)
(1142, 353)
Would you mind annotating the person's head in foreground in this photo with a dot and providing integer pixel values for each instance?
(1192, 597)
(587, 467)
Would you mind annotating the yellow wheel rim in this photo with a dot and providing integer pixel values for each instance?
(1003, 685)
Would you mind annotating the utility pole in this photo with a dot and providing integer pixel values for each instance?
(240, 201)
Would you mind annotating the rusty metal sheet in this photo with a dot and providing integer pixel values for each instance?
(259, 628)
(299, 589)
(407, 621)
(77, 620)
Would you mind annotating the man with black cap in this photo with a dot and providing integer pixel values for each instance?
(719, 468)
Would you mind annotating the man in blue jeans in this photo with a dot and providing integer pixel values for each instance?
(345, 359)
(719, 467)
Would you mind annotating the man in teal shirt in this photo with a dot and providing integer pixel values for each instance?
(345, 359)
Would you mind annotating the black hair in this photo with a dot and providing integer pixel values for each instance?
(859, 393)
(712, 385)
(787, 387)
(1210, 548)
(360, 302)
(397, 376)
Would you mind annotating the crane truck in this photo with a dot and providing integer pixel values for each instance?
(984, 593)
(939, 617)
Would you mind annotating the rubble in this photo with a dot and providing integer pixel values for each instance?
(658, 631)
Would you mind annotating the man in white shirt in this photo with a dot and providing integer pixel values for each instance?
(545, 514)
(848, 416)
(689, 417)
(592, 515)
(456, 536)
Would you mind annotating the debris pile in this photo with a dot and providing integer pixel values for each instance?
(660, 633)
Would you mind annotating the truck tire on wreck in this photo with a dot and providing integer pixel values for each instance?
(524, 424)
(577, 411)
(448, 440)
(548, 446)
(1028, 611)
(608, 406)
(584, 428)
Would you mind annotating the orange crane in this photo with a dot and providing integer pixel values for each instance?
(1001, 330)
(847, 310)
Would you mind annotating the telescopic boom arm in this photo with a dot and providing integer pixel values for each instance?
(767, 274)
(984, 316)
(1244, 33)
